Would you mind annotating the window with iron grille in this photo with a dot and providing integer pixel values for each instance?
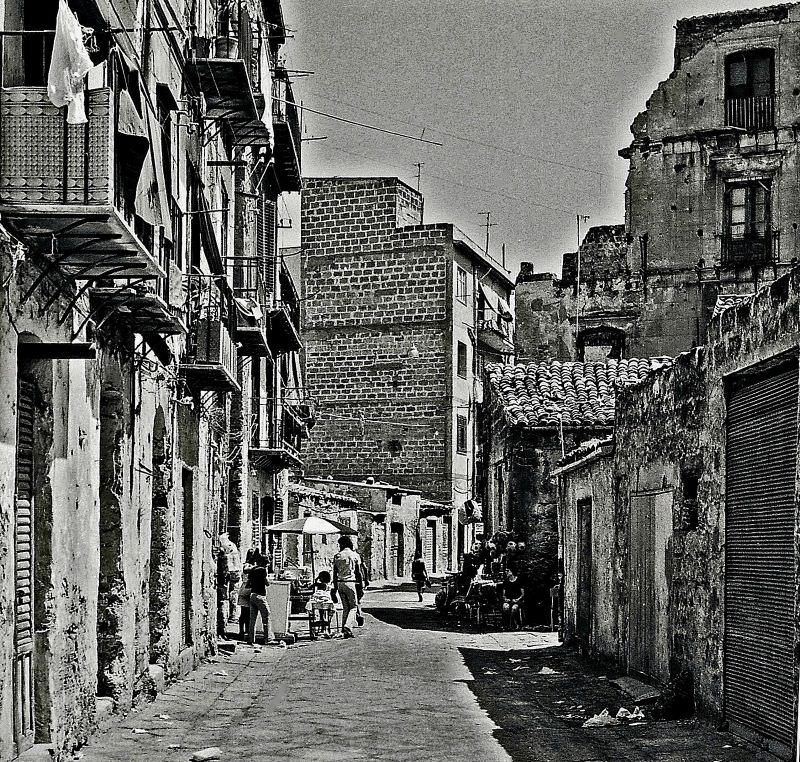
(747, 231)
(461, 284)
(750, 89)
(462, 359)
(461, 434)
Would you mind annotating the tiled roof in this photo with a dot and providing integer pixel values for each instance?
(573, 393)
(725, 301)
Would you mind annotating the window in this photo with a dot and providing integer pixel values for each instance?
(462, 359)
(461, 433)
(747, 231)
(602, 343)
(750, 89)
(461, 284)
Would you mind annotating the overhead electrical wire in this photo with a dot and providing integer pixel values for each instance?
(358, 124)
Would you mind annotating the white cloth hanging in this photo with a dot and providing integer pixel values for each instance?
(69, 65)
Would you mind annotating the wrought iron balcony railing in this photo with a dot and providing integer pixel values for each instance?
(756, 113)
(286, 124)
(276, 433)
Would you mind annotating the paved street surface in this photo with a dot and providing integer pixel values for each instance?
(408, 687)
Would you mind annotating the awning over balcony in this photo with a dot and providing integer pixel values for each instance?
(226, 86)
(143, 311)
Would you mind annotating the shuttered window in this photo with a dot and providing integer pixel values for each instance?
(759, 684)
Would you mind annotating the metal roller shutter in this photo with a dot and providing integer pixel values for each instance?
(23, 568)
(759, 686)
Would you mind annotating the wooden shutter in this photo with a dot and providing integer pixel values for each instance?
(759, 687)
(23, 569)
(266, 242)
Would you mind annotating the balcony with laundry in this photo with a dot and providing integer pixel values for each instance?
(286, 124)
(211, 356)
(92, 193)
(231, 70)
(251, 298)
(495, 323)
(283, 330)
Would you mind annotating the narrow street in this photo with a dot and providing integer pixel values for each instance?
(406, 688)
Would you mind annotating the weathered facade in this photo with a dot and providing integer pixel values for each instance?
(709, 202)
(701, 494)
(398, 318)
(536, 413)
(118, 336)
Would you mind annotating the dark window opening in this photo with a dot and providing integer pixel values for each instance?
(687, 518)
(394, 446)
(461, 434)
(750, 89)
(599, 344)
(397, 499)
(462, 359)
(747, 231)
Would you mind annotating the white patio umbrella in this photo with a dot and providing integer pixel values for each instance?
(311, 525)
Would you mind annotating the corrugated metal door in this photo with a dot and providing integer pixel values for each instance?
(759, 689)
(641, 585)
(23, 569)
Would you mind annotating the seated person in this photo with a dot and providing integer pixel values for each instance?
(513, 595)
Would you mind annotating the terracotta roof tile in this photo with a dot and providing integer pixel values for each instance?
(575, 393)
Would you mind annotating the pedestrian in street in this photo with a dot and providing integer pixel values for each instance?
(234, 572)
(258, 602)
(362, 583)
(345, 575)
(419, 573)
(243, 598)
(513, 595)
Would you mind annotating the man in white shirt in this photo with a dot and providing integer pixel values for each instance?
(346, 573)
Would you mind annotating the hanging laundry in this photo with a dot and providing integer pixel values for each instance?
(69, 65)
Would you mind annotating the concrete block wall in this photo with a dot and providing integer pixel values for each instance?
(376, 331)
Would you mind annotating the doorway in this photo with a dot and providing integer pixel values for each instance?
(583, 618)
(396, 550)
(187, 553)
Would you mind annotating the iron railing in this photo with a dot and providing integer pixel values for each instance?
(756, 113)
(276, 425)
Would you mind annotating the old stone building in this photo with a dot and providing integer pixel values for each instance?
(124, 241)
(680, 540)
(709, 203)
(535, 414)
(398, 318)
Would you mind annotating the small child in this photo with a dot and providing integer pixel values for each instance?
(321, 600)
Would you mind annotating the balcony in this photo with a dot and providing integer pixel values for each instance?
(493, 335)
(251, 298)
(756, 113)
(141, 309)
(283, 331)
(286, 125)
(210, 362)
(276, 433)
(750, 250)
(60, 186)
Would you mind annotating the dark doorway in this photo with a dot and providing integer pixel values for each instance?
(583, 623)
(396, 550)
(160, 545)
(642, 625)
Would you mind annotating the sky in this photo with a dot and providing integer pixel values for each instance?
(531, 100)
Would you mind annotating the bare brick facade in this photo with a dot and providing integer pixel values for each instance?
(388, 303)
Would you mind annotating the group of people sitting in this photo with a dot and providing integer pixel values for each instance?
(502, 560)
(245, 585)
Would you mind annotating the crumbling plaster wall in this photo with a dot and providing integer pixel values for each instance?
(67, 643)
(593, 481)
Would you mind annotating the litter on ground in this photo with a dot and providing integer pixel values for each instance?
(602, 720)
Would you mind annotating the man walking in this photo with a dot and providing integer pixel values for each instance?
(258, 602)
(345, 575)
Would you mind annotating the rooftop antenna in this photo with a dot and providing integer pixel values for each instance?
(488, 224)
(419, 165)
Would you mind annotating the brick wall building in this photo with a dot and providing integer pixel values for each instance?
(397, 317)
(709, 200)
